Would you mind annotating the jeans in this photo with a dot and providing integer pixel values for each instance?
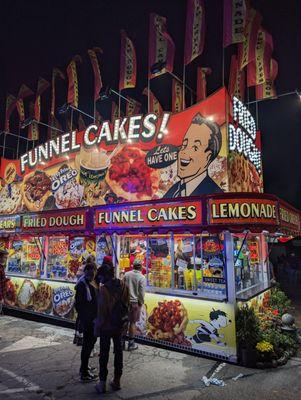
(105, 342)
(89, 341)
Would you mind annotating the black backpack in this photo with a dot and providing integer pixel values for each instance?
(119, 314)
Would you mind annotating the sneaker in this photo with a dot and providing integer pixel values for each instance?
(87, 377)
(101, 387)
(132, 346)
(115, 384)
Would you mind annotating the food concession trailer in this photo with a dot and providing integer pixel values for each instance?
(181, 192)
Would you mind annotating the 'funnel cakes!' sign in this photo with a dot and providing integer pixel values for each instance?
(135, 158)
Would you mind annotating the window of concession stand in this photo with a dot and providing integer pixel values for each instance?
(45, 252)
(183, 193)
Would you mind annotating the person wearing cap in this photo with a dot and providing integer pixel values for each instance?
(112, 318)
(136, 283)
(3, 279)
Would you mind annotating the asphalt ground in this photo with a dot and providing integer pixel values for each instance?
(39, 361)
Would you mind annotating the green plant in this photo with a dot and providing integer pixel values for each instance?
(279, 301)
(281, 342)
(247, 327)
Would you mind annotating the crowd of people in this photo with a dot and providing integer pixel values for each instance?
(107, 308)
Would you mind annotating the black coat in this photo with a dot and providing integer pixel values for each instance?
(87, 310)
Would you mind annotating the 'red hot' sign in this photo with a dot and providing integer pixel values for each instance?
(149, 215)
(75, 220)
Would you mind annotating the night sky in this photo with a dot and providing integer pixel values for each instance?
(38, 35)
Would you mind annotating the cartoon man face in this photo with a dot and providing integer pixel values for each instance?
(193, 159)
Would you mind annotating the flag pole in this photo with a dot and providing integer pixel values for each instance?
(223, 67)
(18, 141)
(71, 119)
(119, 104)
(94, 110)
(184, 85)
(148, 94)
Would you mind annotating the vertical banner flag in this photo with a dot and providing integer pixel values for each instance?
(95, 66)
(259, 69)
(23, 93)
(268, 89)
(201, 92)
(132, 107)
(234, 21)
(246, 49)
(128, 63)
(177, 96)
(114, 111)
(237, 78)
(42, 86)
(154, 105)
(55, 73)
(33, 128)
(73, 81)
(161, 46)
(195, 30)
(10, 106)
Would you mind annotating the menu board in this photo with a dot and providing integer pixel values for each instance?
(25, 256)
(56, 261)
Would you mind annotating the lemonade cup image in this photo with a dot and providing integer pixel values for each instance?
(93, 165)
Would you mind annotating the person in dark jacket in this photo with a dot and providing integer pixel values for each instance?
(86, 307)
(113, 303)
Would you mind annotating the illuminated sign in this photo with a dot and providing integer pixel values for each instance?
(242, 134)
(149, 215)
(9, 223)
(289, 219)
(241, 211)
(76, 220)
(124, 130)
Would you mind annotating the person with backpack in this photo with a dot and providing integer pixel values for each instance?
(86, 307)
(112, 317)
(136, 283)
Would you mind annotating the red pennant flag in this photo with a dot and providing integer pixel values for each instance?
(33, 128)
(267, 89)
(56, 73)
(128, 63)
(234, 21)
(132, 107)
(195, 30)
(154, 105)
(237, 79)
(10, 106)
(23, 93)
(73, 81)
(42, 86)
(201, 92)
(246, 49)
(95, 65)
(53, 122)
(177, 96)
(259, 69)
(81, 123)
(161, 46)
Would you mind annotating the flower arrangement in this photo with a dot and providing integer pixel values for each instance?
(264, 347)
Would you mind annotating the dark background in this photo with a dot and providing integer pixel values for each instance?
(38, 35)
